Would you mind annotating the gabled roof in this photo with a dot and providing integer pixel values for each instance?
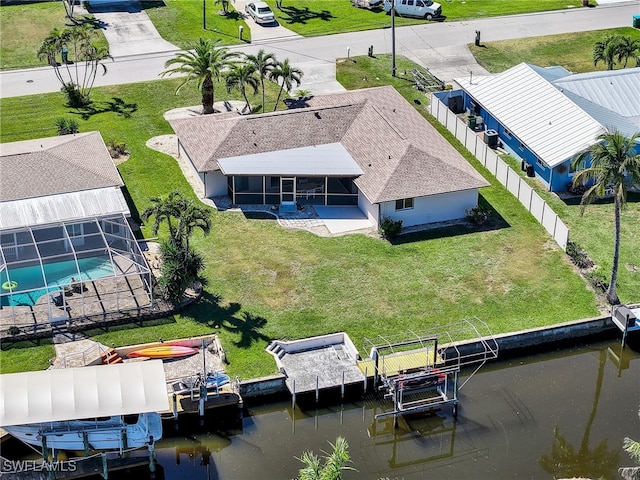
(55, 165)
(552, 126)
(393, 145)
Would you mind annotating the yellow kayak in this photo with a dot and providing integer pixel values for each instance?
(164, 351)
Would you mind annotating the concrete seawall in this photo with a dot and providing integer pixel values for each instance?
(508, 343)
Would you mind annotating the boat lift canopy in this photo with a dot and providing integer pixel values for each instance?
(85, 392)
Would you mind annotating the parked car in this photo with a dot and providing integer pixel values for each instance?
(427, 9)
(260, 12)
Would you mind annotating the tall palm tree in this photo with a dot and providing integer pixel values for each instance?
(614, 164)
(606, 51)
(192, 217)
(628, 48)
(243, 75)
(263, 63)
(79, 39)
(287, 74)
(204, 64)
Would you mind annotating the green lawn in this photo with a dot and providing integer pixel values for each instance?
(264, 282)
(23, 27)
(593, 230)
(574, 51)
(181, 22)
(322, 17)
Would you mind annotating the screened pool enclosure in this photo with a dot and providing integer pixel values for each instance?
(71, 270)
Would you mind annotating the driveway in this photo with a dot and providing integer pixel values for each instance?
(129, 31)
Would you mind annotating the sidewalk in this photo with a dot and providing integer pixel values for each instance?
(317, 55)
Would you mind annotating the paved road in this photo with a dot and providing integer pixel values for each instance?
(320, 52)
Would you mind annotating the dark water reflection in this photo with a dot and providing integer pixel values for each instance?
(551, 415)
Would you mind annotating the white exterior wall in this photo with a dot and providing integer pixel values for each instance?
(433, 208)
(369, 209)
(182, 153)
(216, 184)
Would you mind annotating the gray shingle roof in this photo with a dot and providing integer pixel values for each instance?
(400, 153)
(55, 165)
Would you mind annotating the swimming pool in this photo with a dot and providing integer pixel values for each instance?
(31, 284)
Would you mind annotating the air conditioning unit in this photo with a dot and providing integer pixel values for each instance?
(491, 138)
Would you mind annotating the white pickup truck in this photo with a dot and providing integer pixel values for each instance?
(426, 9)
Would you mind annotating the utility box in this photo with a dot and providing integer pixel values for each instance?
(636, 21)
(491, 138)
(625, 316)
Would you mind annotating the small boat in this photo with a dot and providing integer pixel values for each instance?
(164, 351)
(104, 433)
(213, 381)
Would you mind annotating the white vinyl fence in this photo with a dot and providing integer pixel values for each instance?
(505, 174)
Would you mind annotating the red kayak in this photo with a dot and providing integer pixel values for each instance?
(164, 351)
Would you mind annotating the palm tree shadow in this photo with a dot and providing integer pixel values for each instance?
(210, 312)
(115, 105)
(303, 15)
(248, 327)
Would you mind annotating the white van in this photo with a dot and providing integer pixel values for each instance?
(427, 9)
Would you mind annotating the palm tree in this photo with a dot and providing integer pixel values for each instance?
(287, 74)
(263, 63)
(606, 51)
(79, 40)
(166, 210)
(615, 165)
(628, 48)
(204, 64)
(335, 463)
(632, 447)
(192, 217)
(243, 75)
(225, 5)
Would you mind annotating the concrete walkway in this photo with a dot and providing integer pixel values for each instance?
(129, 30)
(263, 33)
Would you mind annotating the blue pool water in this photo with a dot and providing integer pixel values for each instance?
(31, 284)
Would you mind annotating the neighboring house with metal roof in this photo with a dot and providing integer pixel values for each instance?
(66, 248)
(368, 148)
(547, 116)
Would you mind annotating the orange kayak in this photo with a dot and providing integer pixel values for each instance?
(164, 351)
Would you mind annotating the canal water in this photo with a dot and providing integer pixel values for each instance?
(550, 415)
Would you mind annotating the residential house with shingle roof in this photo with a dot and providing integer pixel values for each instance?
(368, 148)
(64, 219)
(546, 116)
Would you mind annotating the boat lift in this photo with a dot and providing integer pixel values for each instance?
(421, 372)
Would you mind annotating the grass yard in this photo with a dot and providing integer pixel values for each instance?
(24, 27)
(264, 282)
(574, 51)
(181, 23)
(594, 230)
(321, 17)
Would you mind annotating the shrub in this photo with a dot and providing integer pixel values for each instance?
(75, 97)
(578, 255)
(13, 330)
(67, 126)
(117, 149)
(598, 279)
(478, 215)
(180, 267)
(390, 228)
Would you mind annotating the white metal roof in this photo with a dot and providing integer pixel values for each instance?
(331, 159)
(536, 112)
(615, 90)
(62, 207)
(86, 392)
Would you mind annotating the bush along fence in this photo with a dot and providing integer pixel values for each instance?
(508, 177)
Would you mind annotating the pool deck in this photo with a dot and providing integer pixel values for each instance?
(97, 298)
